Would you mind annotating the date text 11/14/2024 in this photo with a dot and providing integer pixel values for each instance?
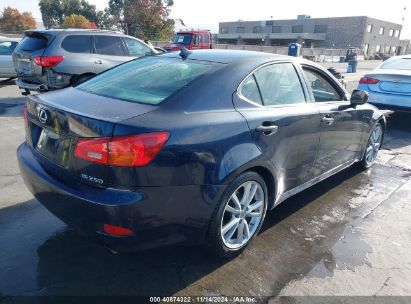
(203, 299)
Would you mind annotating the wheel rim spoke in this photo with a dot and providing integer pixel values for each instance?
(232, 210)
(230, 225)
(236, 201)
(254, 206)
(240, 233)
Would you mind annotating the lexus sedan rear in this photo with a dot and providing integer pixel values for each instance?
(192, 149)
(389, 85)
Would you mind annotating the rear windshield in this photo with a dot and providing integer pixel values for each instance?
(148, 80)
(183, 38)
(33, 43)
(397, 64)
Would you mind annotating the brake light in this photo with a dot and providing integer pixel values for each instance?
(117, 230)
(48, 61)
(93, 150)
(122, 151)
(368, 80)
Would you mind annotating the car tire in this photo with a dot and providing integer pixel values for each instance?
(244, 212)
(373, 146)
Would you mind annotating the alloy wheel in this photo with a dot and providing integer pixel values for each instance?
(242, 214)
(374, 144)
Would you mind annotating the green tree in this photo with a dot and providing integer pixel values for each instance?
(51, 13)
(76, 21)
(146, 19)
(11, 21)
(54, 12)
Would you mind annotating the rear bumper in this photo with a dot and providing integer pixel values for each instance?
(158, 216)
(395, 102)
(31, 86)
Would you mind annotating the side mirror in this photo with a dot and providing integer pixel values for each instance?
(359, 97)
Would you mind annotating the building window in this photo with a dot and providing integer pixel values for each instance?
(382, 30)
(240, 29)
(320, 28)
(297, 28)
(277, 29)
(366, 48)
(269, 23)
(387, 49)
(397, 33)
(391, 32)
(224, 30)
(369, 28)
(378, 48)
(257, 29)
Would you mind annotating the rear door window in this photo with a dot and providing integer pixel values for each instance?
(323, 90)
(279, 84)
(33, 43)
(136, 48)
(109, 45)
(77, 44)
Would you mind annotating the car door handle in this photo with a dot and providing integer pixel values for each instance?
(98, 62)
(328, 120)
(267, 128)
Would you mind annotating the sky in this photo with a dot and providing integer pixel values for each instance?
(206, 14)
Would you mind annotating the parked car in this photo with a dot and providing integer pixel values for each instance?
(54, 59)
(191, 40)
(7, 46)
(389, 85)
(160, 151)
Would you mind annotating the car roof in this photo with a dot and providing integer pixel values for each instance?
(74, 30)
(228, 56)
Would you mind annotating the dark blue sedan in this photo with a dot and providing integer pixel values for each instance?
(191, 148)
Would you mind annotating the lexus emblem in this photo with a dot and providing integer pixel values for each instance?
(42, 114)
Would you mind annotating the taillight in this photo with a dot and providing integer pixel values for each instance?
(117, 230)
(122, 151)
(368, 80)
(26, 122)
(93, 150)
(48, 61)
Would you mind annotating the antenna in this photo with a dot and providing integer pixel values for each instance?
(184, 53)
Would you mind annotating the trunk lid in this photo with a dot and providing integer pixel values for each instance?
(57, 120)
(392, 82)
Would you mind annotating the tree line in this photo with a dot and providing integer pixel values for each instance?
(146, 19)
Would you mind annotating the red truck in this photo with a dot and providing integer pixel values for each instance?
(191, 40)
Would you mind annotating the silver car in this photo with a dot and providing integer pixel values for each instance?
(7, 46)
(54, 59)
(389, 85)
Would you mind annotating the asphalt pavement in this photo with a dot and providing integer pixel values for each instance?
(349, 235)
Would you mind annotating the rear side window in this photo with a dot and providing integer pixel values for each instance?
(249, 90)
(7, 47)
(279, 84)
(149, 80)
(33, 43)
(77, 44)
(108, 45)
(137, 49)
(397, 64)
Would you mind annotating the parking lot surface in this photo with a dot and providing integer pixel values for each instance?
(349, 235)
